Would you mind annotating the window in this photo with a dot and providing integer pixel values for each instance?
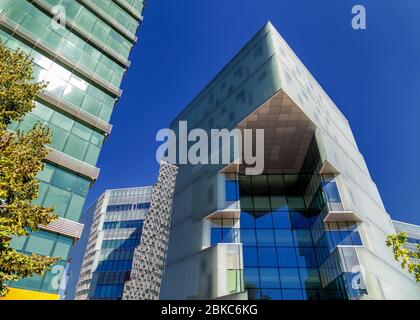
(231, 190)
(225, 230)
(267, 257)
(279, 256)
(123, 224)
(286, 257)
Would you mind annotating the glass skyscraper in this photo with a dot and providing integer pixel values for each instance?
(312, 225)
(81, 48)
(118, 217)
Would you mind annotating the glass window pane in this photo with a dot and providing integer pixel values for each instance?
(278, 203)
(267, 257)
(289, 278)
(62, 247)
(281, 220)
(248, 237)
(250, 256)
(303, 237)
(231, 191)
(269, 278)
(41, 242)
(247, 204)
(298, 220)
(262, 203)
(284, 237)
(263, 220)
(286, 257)
(247, 219)
(265, 237)
(251, 278)
(306, 257)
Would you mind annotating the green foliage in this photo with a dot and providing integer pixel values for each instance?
(21, 156)
(409, 259)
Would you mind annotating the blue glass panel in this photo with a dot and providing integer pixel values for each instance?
(346, 236)
(298, 220)
(216, 236)
(251, 278)
(281, 220)
(284, 237)
(248, 237)
(289, 278)
(269, 278)
(335, 237)
(286, 257)
(310, 278)
(247, 220)
(303, 238)
(263, 220)
(231, 191)
(331, 191)
(250, 256)
(265, 237)
(267, 257)
(306, 257)
(356, 240)
(230, 235)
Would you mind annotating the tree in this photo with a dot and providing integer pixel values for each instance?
(409, 258)
(21, 158)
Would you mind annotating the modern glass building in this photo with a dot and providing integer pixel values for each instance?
(312, 225)
(81, 48)
(116, 230)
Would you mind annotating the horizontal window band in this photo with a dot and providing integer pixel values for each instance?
(14, 29)
(108, 19)
(130, 9)
(69, 163)
(72, 164)
(73, 27)
(65, 227)
(85, 117)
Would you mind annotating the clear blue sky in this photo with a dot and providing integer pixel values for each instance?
(373, 76)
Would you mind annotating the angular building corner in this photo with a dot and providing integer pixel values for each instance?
(312, 226)
(150, 256)
(83, 54)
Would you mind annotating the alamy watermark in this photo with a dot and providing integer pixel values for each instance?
(219, 146)
(359, 20)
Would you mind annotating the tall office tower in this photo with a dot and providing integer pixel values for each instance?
(413, 234)
(150, 256)
(118, 217)
(81, 48)
(311, 226)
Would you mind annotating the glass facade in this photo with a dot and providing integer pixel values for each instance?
(283, 253)
(278, 250)
(83, 60)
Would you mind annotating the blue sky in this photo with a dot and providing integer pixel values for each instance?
(373, 76)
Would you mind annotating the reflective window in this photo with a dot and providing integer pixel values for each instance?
(280, 259)
(231, 190)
